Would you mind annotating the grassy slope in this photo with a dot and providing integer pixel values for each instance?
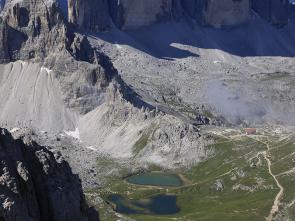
(198, 201)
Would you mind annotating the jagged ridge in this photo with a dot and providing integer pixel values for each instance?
(37, 185)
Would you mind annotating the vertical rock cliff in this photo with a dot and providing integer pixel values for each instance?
(33, 28)
(91, 15)
(4, 56)
(2, 2)
(274, 11)
(130, 14)
(218, 13)
(37, 185)
(96, 15)
(194, 8)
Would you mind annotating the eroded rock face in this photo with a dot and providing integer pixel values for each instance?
(2, 3)
(37, 185)
(34, 29)
(218, 13)
(194, 8)
(274, 11)
(4, 56)
(130, 14)
(91, 15)
(96, 15)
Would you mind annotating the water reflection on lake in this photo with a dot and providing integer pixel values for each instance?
(158, 205)
(156, 179)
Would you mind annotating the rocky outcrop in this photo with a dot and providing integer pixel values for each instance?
(89, 14)
(218, 13)
(34, 28)
(37, 185)
(274, 11)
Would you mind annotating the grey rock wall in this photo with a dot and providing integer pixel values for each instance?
(34, 29)
(91, 15)
(96, 15)
(37, 185)
(130, 14)
(218, 13)
(2, 3)
(274, 11)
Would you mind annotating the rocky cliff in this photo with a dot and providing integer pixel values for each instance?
(130, 14)
(232, 12)
(33, 28)
(274, 11)
(38, 185)
(2, 2)
(92, 15)
(30, 19)
(218, 13)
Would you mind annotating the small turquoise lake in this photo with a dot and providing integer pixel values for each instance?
(156, 179)
(157, 205)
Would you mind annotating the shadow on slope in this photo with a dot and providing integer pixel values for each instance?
(127, 91)
(256, 38)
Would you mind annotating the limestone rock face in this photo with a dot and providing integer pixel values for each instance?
(130, 14)
(2, 3)
(37, 185)
(194, 8)
(91, 15)
(34, 28)
(3, 41)
(226, 12)
(218, 13)
(274, 11)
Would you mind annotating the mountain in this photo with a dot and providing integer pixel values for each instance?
(128, 14)
(130, 86)
(218, 13)
(68, 73)
(37, 184)
(276, 12)
(90, 14)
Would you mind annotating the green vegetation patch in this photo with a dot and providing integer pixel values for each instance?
(143, 140)
(224, 188)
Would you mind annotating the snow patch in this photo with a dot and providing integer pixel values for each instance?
(75, 134)
(23, 63)
(91, 148)
(44, 69)
(118, 46)
(14, 130)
